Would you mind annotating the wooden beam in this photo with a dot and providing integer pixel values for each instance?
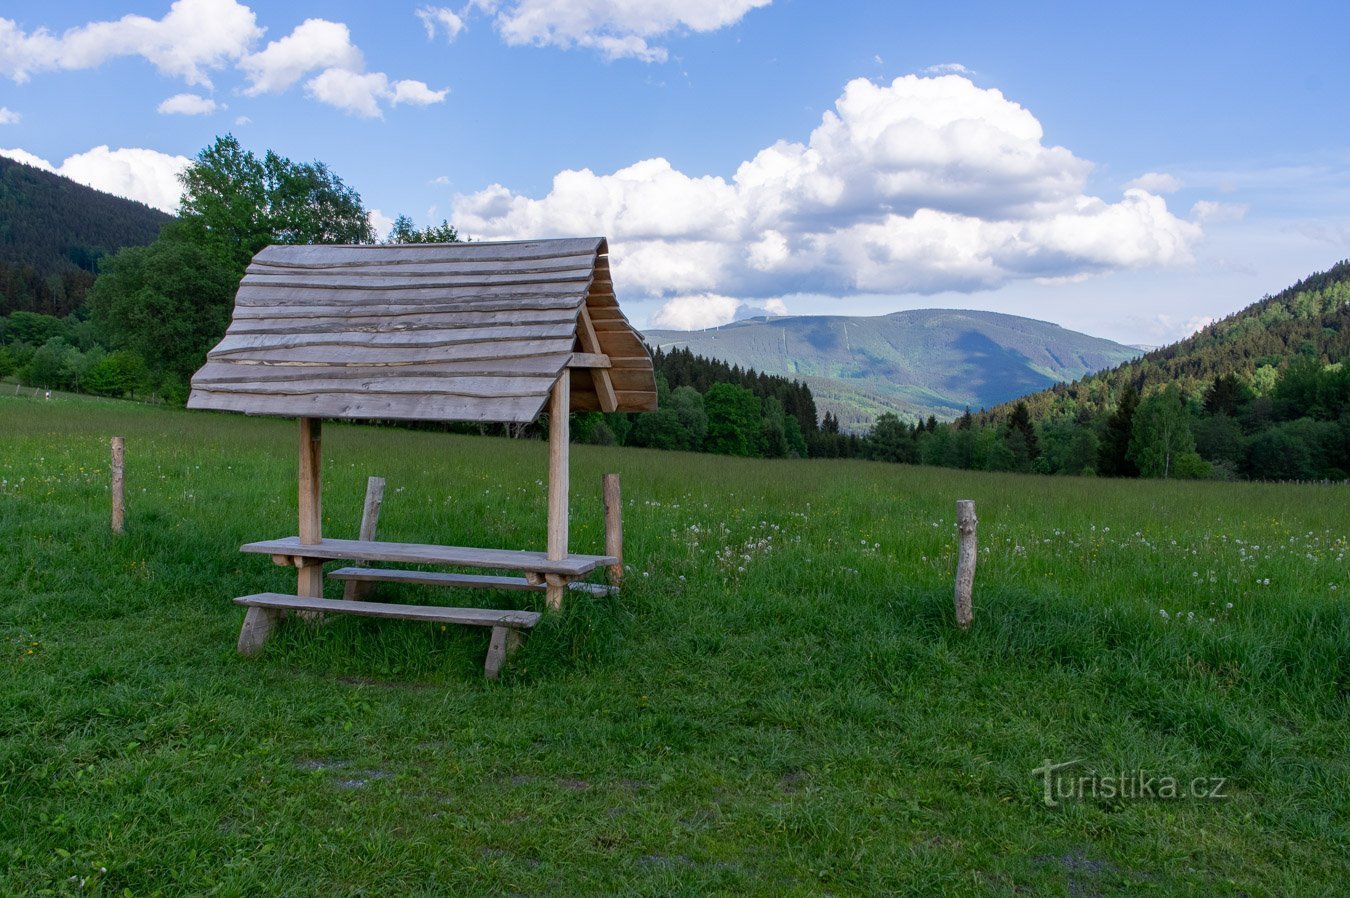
(588, 360)
(358, 590)
(309, 578)
(559, 434)
(590, 343)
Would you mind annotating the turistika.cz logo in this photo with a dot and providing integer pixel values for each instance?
(1060, 783)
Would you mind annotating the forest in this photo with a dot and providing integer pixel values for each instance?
(1261, 395)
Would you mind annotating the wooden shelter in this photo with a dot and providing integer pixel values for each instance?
(434, 332)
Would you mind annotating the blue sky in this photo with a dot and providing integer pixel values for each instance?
(1126, 170)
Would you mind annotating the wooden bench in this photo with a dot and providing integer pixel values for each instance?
(265, 609)
(480, 581)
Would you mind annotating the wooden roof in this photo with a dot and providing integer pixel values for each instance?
(433, 332)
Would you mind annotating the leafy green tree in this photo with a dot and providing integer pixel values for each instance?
(8, 364)
(733, 420)
(33, 328)
(235, 204)
(1113, 454)
(891, 439)
(168, 302)
(121, 373)
(48, 366)
(404, 231)
(687, 404)
(1161, 434)
(1020, 422)
(1227, 395)
(659, 429)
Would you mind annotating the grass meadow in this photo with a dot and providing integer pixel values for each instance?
(777, 704)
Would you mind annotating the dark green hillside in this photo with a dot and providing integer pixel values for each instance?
(1310, 319)
(52, 234)
(920, 363)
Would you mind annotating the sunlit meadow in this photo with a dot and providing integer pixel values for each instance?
(778, 703)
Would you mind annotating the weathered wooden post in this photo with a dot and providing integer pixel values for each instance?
(119, 502)
(358, 590)
(613, 500)
(309, 580)
(559, 433)
(965, 560)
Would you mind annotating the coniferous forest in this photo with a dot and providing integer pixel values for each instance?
(1262, 394)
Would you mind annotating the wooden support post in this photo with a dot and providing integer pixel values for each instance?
(504, 642)
(613, 501)
(258, 624)
(119, 500)
(358, 590)
(559, 433)
(965, 560)
(309, 576)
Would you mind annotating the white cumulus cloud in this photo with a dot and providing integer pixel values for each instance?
(9, 116)
(1156, 182)
(921, 185)
(138, 174)
(315, 44)
(439, 18)
(188, 104)
(616, 28)
(193, 37)
(361, 93)
(380, 223)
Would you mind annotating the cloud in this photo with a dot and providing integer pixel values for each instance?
(242, 120)
(440, 180)
(148, 176)
(198, 35)
(27, 158)
(1156, 182)
(188, 104)
(314, 45)
(9, 116)
(380, 223)
(360, 94)
(1210, 211)
(946, 68)
(701, 311)
(922, 185)
(616, 28)
(438, 18)
(194, 36)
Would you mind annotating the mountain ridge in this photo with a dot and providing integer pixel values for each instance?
(918, 363)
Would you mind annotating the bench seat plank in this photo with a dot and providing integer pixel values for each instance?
(414, 553)
(436, 578)
(478, 617)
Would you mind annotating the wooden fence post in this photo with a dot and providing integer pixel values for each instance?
(119, 501)
(357, 590)
(965, 560)
(613, 499)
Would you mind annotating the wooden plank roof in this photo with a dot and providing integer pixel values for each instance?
(440, 332)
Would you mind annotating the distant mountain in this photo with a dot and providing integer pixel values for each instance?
(918, 363)
(1311, 318)
(52, 234)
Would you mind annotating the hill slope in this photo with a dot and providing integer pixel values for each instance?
(53, 231)
(1310, 318)
(920, 363)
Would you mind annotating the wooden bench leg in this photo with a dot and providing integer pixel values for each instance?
(258, 624)
(505, 641)
(557, 588)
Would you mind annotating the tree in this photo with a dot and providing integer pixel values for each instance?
(1161, 434)
(890, 439)
(236, 204)
(168, 302)
(733, 420)
(1020, 422)
(687, 404)
(404, 231)
(1113, 454)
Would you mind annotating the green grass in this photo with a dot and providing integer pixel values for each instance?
(778, 703)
